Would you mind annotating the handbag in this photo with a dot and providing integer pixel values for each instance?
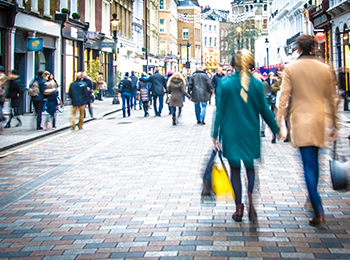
(207, 175)
(221, 184)
(138, 96)
(168, 99)
(340, 172)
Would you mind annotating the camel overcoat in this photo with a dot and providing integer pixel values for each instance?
(176, 87)
(312, 86)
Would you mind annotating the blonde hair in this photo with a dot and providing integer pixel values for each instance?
(244, 61)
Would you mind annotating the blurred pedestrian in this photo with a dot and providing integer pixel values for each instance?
(3, 79)
(38, 100)
(243, 96)
(51, 94)
(229, 71)
(157, 90)
(342, 88)
(79, 95)
(91, 98)
(257, 74)
(126, 90)
(216, 78)
(176, 88)
(311, 84)
(14, 96)
(199, 88)
(100, 86)
(134, 80)
(170, 73)
(145, 95)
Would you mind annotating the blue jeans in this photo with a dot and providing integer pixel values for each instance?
(200, 109)
(126, 97)
(173, 111)
(133, 101)
(309, 156)
(158, 110)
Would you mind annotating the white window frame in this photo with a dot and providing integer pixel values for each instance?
(162, 7)
(184, 34)
(162, 27)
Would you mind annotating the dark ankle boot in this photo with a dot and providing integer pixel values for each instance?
(237, 216)
(8, 125)
(252, 213)
(174, 120)
(19, 122)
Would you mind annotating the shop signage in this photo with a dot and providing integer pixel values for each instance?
(107, 44)
(35, 44)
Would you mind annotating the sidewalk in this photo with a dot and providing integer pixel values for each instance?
(13, 136)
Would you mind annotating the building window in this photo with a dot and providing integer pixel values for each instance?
(162, 46)
(205, 27)
(222, 33)
(162, 25)
(214, 42)
(225, 32)
(209, 28)
(265, 7)
(171, 26)
(214, 28)
(265, 24)
(161, 4)
(185, 33)
(210, 42)
(205, 41)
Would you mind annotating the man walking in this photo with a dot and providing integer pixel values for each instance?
(38, 100)
(79, 95)
(313, 85)
(134, 80)
(125, 88)
(88, 81)
(157, 90)
(216, 79)
(200, 88)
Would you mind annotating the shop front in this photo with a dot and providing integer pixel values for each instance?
(73, 37)
(36, 45)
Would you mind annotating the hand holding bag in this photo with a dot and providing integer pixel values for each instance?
(221, 184)
(340, 172)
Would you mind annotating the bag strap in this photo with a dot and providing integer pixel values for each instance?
(222, 162)
(335, 150)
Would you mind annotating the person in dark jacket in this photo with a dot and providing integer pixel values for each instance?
(38, 100)
(200, 88)
(79, 95)
(157, 90)
(215, 80)
(143, 87)
(51, 94)
(126, 89)
(90, 100)
(13, 95)
(342, 88)
(169, 74)
(134, 80)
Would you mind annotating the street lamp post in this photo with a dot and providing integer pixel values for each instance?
(188, 58)
(178, 61)
(115, 22)
(267, 54)
(239, 29)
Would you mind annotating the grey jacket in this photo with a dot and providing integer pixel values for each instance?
(199, 86)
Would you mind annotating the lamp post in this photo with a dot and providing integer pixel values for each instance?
(239, 29)
(188, 67)
(267, 43)
(178, 61)
(115, 22)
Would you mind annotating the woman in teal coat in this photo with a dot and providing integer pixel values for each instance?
(240, 101)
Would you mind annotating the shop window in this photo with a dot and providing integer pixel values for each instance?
(42, 61)
(162, 25)
(72, 61)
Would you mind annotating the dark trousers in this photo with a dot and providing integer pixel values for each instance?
(126, 98)
(145, 107)
(345, 95)
(309, 156)
(38, 105)
(14, 113)
(236, 178)
(173, 111)
(158, 110)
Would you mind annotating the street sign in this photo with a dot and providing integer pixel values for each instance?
(35, 44)
(188, 64)
(107, 44)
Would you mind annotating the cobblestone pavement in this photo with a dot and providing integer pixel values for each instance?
(13, 136)
(125, 188)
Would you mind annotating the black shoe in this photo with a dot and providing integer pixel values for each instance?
(273, 141)
(199, 122)
(7, 126)
(39, 128)
(262, 134)
(19, 124)
(203, 123)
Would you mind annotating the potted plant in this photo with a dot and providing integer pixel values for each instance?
(75, 16)
(65, 11)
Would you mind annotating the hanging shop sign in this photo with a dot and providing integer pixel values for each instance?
(35, 44)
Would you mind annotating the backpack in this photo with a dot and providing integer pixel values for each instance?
(33, 89)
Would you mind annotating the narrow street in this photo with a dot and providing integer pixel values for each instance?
(126, 188)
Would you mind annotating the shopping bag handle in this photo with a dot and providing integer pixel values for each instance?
(222, 162)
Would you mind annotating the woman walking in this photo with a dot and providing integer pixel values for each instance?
(176, 88)
(241, 100)
(145, 95)
(13, 95)
(51, 93)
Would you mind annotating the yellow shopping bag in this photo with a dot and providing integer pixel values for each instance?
(221, 185)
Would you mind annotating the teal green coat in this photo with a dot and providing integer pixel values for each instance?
(238, 122)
